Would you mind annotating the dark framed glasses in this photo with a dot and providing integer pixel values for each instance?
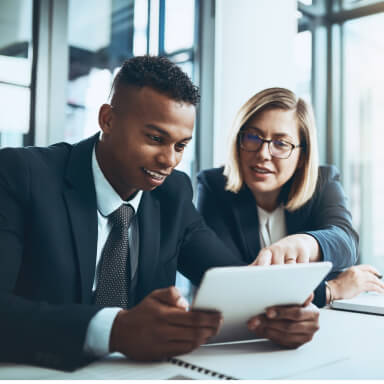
(251, 142)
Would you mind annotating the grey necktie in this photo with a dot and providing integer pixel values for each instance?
(114, 271)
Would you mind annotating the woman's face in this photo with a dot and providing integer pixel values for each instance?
(264, 174)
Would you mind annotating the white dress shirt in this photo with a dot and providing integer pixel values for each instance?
(108, 200)
(272, 226)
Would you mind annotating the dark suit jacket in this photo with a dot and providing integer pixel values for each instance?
(48, 238)
(325, 216)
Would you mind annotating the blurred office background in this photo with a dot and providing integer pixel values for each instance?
(58, 58)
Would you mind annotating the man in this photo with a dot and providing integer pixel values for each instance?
(91, 236)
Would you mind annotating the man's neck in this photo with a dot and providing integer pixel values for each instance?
(107, 169)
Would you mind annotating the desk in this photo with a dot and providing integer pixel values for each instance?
(361, 336)
(357, 339)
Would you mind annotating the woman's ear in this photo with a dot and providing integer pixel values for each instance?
(105, 118)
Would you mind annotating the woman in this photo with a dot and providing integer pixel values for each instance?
(273, 204)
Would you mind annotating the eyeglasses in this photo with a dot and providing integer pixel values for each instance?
(280, 149)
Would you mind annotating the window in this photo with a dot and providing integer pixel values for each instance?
(303, 58)
(120, 30)
(15, 70)
(363, 133)
(349, 56)
(93, 61)
(179, 25)
(354, 4)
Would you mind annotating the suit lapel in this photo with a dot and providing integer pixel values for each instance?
(294, 221)
(80, 197)
(245, 212)
(149, 227)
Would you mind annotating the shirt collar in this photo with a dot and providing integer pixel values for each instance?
(265, 216)
(108, 200)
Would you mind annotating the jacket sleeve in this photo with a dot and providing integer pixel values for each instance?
(332, 223)
(215, 212)
(30, 331)
(208, 204)
(201, 248)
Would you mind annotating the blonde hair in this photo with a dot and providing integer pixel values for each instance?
(303, 182)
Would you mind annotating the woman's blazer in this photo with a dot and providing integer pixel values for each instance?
(234, 217)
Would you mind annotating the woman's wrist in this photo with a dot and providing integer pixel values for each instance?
(331, 291)
(328, 293)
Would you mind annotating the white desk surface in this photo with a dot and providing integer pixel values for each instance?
(360, 336)
(357, 340)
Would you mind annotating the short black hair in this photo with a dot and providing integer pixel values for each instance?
(159, 73)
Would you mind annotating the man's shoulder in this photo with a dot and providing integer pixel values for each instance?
(11, 158)
(53, 158)
(35, 150)
(175, 183)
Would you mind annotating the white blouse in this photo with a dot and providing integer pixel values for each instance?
(272, 226)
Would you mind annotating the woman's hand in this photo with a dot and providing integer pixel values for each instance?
(354, 280)
(300, 248)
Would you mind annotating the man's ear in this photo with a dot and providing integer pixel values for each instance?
(105, 118)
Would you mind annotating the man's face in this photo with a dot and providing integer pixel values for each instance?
(144, 135)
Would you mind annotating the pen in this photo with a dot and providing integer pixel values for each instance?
(378, 275)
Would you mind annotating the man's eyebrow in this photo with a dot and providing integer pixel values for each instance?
(165, 133)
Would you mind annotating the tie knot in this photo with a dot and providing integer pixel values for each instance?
(122, 216)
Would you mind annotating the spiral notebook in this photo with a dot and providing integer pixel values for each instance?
(258, 359)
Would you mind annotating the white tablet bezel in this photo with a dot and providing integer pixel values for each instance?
(240, 293)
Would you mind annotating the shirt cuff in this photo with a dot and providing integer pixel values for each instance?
(99, 332)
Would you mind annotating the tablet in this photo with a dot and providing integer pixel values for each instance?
(240, 293)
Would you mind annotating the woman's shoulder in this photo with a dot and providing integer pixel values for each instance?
(327, 176)
(213, 177)
(213, 181)
(328, 173)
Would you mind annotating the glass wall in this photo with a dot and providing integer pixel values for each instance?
(15, 70)
(303, 63)
(348, 53)
(115, 30)
(353, 4)
(101, 40)
(363, 132)
(179, 25)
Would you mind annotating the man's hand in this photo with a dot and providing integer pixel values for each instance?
(160, 327)
(289, 326)
(354, 280)
(300, 248)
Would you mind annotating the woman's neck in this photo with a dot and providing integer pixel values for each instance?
(268, 201)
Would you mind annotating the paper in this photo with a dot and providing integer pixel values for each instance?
(263, 359)
(117, 367)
